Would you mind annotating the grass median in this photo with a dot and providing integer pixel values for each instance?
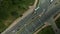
(46, 30)
(58, 22)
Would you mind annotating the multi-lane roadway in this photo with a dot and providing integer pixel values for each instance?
(31, 22)
(39, 21)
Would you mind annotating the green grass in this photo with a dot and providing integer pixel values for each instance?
(12, 9)
(58, 22)
(47, 30)
(2, 27)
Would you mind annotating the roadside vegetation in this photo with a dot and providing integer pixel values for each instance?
(58, 22)
(46, 30)
(12, 9)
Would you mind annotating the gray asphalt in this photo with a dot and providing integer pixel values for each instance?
(30, 28)
(39, 21)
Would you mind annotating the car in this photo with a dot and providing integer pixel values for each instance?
(36, 8)
(51, 0)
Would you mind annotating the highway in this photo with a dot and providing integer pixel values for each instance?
(38, 22)
(29, 24)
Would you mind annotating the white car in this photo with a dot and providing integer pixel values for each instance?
(36, 8)
(51, 1)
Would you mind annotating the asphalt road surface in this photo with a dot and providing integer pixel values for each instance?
(31, 22)
(39, 21)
